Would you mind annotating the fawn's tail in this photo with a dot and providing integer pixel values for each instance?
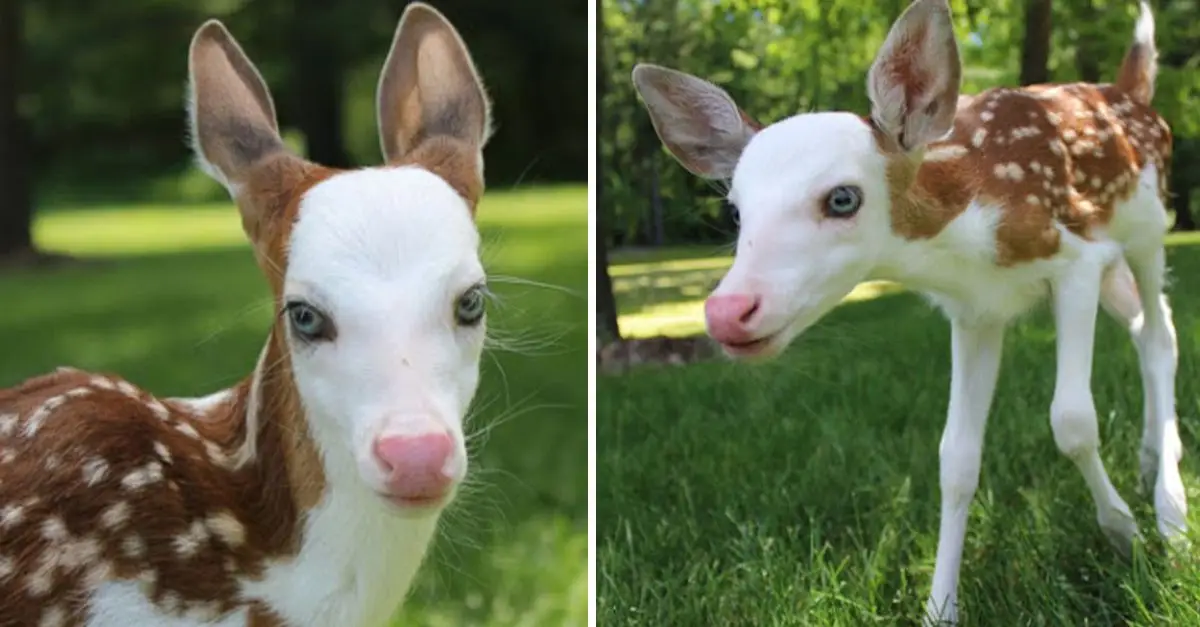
(1140, 67)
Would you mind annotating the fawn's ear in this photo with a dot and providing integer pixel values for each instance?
(429, 87)
(230, 111)
(915, 80)
(234, 133)
(697, 121)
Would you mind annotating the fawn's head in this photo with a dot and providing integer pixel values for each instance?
(814, 191)
(375, 272)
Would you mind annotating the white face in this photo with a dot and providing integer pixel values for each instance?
(812, 195)
(383, 266)
(812, 190)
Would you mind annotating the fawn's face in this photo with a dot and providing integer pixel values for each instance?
(814, 191)
(811, 224)
(376, 271)
(384, 306)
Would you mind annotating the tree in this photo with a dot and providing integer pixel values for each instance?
(1035, 51)
(318, 86)
(606, 302)
(16, 202)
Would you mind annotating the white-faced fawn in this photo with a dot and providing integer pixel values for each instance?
(309, 493)
(988, 204)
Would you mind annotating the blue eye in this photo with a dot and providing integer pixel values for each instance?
(843, 201)
(308, 323)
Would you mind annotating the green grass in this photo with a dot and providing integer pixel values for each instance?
(178, 306)
(805, 491)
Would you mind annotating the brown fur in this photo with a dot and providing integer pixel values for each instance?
(76, 519)
(1048, 154)
(455, 162)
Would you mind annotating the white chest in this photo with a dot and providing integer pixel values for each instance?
(957, 269)
(354, 569)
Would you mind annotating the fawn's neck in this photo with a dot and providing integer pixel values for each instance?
(349, 560)
(258, 434)
(948, 244)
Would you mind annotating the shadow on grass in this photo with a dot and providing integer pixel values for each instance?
(514, 546)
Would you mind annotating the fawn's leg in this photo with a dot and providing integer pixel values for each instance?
(1073, 410)
(1158, 353)
(976, 351)
(1119, 297)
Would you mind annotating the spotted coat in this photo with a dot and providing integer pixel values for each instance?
(103, 482)
(1048, 155)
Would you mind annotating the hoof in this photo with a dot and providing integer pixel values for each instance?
(1121, 529)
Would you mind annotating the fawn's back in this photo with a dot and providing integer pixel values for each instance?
(1047, 155)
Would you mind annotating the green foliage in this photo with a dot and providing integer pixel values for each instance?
(176, 304)
(103, 83)
(782, 57)
(804, 492)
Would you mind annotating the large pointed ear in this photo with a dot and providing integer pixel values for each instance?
(697, 121)
(231, 114)
(915, 80)
(429, 87)
(233, 129)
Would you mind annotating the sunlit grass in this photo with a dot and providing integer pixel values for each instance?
(179, 307)
(804, 492)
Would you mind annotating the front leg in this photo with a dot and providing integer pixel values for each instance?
(976, 349)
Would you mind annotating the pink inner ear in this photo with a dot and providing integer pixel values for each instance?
(751, 122)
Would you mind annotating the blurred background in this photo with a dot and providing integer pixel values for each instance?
(782, 57)
(118, 254)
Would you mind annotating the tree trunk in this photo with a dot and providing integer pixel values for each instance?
(607, 326)
(1035, 51)
(319, 83)
(1087, 61)
(16, 201)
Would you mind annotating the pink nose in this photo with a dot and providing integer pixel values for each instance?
(728, 317)
(416, 465)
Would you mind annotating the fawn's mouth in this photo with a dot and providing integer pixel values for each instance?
(753, 348)
(417, 506)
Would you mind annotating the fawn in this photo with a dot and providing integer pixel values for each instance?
(987, 204)
(308, 493)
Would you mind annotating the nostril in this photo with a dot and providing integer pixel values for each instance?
(755, 301)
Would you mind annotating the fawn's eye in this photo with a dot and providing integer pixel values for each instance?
(843, 201)
(308, 323)
(469, 309)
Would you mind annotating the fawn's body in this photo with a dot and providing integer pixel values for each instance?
(988, 204)
(157, 520)
(308, 494)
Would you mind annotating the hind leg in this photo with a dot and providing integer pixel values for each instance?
(1158, 353)
(1120, 299)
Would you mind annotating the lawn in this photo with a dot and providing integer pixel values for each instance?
(176, 304)
(805, 491)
